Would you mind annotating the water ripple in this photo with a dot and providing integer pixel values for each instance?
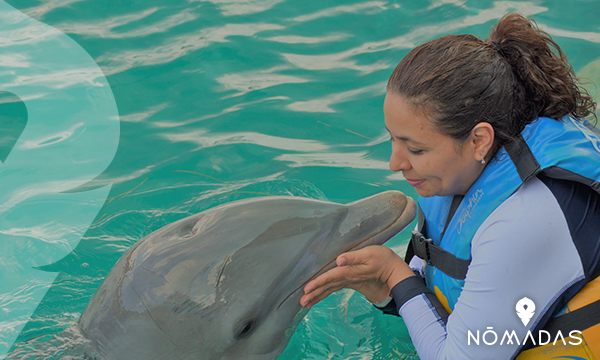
(439, 3)
(583, 35)
(14, 60)
(256, 80)
(39, 11)
(234, 108)
(337, 61)
(374, 6)
(408, 41)
(178, 47)
(105, 29)
(143, 115)
(52, 139)
(324, 104)
(50, 233)
(104, 179)
(356, 160)
(202, 138)
(242, 7)
(22, 34)
(60, 79)
(295, 39)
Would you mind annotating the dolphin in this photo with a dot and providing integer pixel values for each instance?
(226, 283)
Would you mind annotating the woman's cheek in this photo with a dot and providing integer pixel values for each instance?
(421, 167)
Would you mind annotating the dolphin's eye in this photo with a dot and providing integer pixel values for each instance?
(245, 329)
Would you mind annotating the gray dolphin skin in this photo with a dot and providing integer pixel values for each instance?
(226, 283)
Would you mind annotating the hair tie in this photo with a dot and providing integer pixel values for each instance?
(497, 46)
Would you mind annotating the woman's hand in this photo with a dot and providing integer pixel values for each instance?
(372, 271)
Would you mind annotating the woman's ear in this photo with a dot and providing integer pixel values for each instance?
(482, 137)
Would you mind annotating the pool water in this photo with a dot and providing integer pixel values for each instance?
(221, 100)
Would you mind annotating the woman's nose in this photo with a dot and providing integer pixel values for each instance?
(398, 162)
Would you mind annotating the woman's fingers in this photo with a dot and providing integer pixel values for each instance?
(339, 276)
(319, 294)
(374, 291)
(311, 299)
(357, 257)
(366, 270)
(327, 283)
(332, 278)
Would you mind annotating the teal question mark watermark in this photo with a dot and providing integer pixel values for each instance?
(69, 136)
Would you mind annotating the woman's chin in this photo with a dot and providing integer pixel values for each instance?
(424, 192)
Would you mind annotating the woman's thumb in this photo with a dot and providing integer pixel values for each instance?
(349, 258)
(342, 260)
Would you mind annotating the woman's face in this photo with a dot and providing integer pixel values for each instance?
(434, 163)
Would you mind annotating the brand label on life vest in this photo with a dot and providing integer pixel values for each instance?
(466, 213)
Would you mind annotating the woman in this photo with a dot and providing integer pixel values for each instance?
(485, 132)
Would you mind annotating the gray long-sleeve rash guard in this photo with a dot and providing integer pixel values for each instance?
(525, 248)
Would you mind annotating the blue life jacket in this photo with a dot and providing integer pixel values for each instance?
(562, 149)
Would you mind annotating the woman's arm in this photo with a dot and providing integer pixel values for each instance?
(524, 249)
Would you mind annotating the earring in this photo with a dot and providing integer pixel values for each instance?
(482, 161)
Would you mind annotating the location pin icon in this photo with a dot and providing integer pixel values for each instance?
(525, 310)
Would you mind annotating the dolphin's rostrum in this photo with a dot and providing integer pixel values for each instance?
(225, 284)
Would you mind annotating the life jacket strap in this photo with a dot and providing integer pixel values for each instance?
(524, 160)
(434, 255)
(579, 319)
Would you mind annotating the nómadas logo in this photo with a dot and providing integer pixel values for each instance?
(525, 310)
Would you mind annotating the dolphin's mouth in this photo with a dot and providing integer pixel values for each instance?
(361, 244)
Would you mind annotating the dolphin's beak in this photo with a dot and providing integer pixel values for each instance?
(381, 217)
(378, 218)
(370, 221)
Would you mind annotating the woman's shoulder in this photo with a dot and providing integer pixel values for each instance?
(530, 201)
(545, 216)
(547, 200)
(529, 234)
(531, 212)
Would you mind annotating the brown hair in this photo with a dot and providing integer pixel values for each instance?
(509, 80)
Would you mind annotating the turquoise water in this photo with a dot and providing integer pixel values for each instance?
(221, 100)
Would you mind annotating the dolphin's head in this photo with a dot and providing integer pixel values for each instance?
(226, 283)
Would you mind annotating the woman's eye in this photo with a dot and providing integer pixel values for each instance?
(415, 152)
(391, 138)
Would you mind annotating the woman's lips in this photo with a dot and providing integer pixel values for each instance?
(415, 183)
